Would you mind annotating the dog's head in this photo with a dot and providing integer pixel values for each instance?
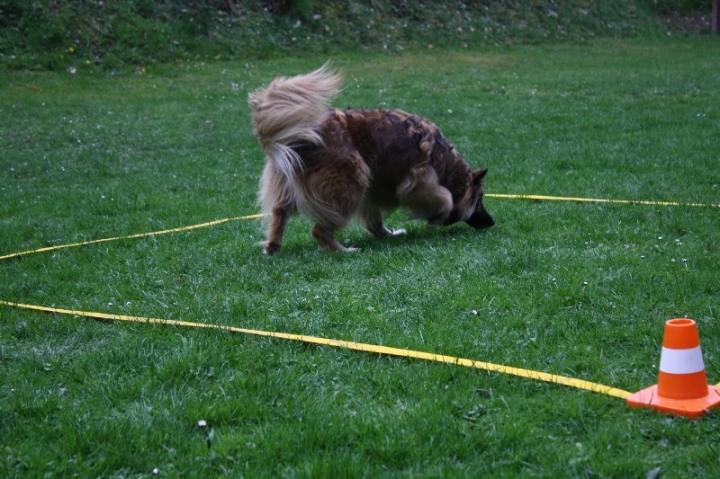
(479, 218)
(472, 211)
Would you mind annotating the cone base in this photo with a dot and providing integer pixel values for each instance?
(691, 408)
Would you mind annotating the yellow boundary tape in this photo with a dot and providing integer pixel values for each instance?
(256, 216)
(599, 200)
(350, 345)
(135, 236)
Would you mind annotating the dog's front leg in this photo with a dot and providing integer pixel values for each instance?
(276, 228)
(374, 224)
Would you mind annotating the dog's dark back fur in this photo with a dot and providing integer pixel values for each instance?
(393, 143)
(361, 162)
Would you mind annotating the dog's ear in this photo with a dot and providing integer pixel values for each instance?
(478, 175)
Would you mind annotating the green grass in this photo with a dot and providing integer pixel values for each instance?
(91, 155)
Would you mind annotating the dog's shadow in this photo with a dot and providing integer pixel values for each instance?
(416, 235)
(299, 242)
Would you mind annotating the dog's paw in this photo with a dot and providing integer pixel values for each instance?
(271, 248)
(390, 232)
(345, 249)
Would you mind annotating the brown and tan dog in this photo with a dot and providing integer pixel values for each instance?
(332, 164)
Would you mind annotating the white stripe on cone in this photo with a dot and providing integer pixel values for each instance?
(681, 361)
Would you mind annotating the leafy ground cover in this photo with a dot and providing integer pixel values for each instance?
(86, 34)
(577, 289)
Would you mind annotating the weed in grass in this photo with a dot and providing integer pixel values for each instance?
(578, 289)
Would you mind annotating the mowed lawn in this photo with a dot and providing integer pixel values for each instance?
(569, 288)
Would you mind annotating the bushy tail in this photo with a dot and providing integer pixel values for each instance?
(288, 112)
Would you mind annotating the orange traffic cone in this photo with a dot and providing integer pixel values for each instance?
(682, 386)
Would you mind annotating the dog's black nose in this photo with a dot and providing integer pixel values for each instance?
(480, 219)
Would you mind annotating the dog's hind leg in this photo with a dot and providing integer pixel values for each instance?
(333, 195)
(276, 228)
(330, 217)
(326, 239)
(276, 197)
(372, 217)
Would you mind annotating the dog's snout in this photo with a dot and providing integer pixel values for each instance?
(480, 219)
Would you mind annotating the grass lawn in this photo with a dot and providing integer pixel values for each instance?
(575, 289)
